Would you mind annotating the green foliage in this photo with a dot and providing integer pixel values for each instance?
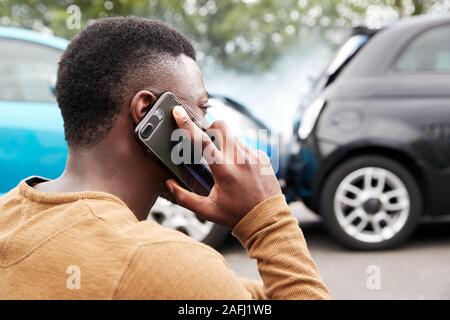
(240, 34)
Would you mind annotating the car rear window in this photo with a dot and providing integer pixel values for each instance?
(27, 71)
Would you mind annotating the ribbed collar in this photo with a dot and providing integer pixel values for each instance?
(27, 190)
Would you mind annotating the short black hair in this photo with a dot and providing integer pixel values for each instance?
(97, 67)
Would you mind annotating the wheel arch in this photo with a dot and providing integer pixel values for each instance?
(401, 155)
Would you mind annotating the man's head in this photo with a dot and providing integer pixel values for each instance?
(118, 67)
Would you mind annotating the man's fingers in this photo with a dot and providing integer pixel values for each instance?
(219, 130)
(229, 145)
(243, 147)
(195, 133)
(189, 200)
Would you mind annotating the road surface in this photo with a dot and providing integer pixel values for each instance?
(420, 269)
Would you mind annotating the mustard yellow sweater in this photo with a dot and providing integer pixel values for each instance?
(89, 245)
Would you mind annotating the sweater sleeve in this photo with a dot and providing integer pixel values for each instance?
(190, 270)
(256, 288)
(272, 236)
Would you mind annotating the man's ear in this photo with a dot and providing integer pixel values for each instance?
(140, 104)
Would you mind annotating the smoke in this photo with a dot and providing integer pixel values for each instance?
(274, 96)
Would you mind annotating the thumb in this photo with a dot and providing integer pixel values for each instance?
(189, 200)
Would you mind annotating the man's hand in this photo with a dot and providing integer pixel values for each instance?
(238, 186)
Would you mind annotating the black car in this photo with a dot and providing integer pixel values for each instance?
(371, 148)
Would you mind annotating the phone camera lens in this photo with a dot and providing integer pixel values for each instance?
(145, 133)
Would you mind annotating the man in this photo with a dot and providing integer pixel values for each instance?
(85, 234)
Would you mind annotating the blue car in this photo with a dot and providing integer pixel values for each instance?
(31, 127)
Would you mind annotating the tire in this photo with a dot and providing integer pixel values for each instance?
(363, 214)
(217, 236)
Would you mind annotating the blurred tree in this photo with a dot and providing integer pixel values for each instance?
(241, 34)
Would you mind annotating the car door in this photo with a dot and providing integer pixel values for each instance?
(423, 71)
(31, 128)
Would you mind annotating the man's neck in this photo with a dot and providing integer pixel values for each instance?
(137, 182)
